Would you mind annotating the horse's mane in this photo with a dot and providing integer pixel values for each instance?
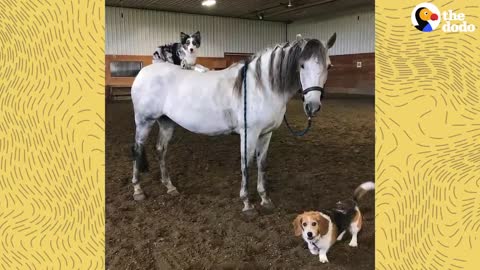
(284, 61)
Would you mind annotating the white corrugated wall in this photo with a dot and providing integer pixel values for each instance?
(355, 31)
(139, 32)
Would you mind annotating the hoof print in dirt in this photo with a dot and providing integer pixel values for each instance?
(173, 192)
(250, 213)
(139, 197)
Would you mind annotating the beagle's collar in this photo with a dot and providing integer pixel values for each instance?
(313, 242)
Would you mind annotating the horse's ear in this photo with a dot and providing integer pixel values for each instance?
(331, 40)
(183, 37)
(299, 36)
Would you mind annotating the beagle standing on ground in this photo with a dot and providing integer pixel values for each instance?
(322, 229)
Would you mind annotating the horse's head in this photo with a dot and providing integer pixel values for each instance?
(313, 65)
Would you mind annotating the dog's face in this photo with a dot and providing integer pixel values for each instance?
(190, 43)
(310, 225)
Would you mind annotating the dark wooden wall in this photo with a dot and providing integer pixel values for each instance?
(344, 77)
(236, 57)
(123, 81)
(210, 62)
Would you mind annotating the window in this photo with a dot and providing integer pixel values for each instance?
(125, 68)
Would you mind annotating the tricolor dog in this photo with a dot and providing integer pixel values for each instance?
(183, 53)
(321, 229)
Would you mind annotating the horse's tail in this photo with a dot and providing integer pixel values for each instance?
(140, 157)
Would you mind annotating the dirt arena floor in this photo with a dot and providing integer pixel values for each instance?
(203, 228)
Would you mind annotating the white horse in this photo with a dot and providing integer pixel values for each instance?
(212, 103)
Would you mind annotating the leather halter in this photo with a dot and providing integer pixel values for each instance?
(313, 88)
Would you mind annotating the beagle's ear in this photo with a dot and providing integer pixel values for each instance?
(322, 224)
(297, 225)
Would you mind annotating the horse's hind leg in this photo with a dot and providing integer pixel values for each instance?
(140, 162)
(262, 149)
(166, 127)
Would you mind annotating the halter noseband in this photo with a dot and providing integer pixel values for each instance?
(313, 88)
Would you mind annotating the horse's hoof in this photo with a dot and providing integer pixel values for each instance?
(250, 213)
(173, 192)
(268, 205)
(139, 197)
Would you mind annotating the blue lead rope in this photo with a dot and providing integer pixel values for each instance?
(245, 67)
(298, 133)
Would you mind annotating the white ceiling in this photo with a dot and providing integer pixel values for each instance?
(272, 10)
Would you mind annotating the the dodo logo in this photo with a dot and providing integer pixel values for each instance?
(426, 17)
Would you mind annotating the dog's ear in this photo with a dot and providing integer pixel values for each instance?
(197, 37)
(297, 225)
(322, 224)
(183, 37)
(331, 40)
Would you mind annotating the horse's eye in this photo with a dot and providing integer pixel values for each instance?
(304, 224)
(302, 66)
(314, 224)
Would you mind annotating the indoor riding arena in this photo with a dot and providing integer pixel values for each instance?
(204, 227)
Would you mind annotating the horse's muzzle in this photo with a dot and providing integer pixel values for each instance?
(312, 108)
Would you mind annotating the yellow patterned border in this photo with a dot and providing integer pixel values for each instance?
(428, 141)
(52, 138)
(52, 134)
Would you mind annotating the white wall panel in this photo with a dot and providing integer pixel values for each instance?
(355, 31)
(139, 32)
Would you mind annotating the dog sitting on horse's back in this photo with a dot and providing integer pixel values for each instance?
(183, 53)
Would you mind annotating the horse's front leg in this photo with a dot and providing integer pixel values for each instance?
(262, 149)
(252, 138)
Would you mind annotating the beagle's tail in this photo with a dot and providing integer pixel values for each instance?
(362, 190)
